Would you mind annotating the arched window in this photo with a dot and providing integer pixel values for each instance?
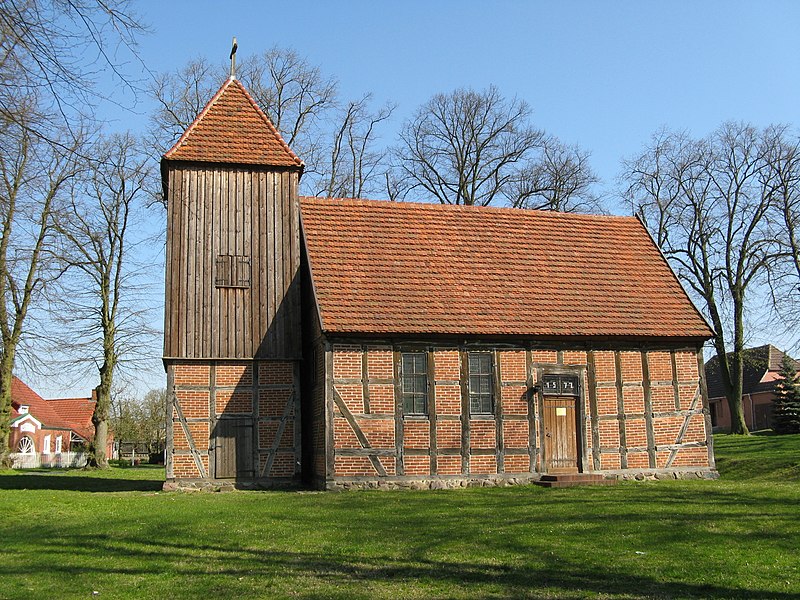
(25, 445)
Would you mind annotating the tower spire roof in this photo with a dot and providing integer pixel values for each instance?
(233, 129)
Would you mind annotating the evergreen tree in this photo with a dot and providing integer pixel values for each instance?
(786, 407)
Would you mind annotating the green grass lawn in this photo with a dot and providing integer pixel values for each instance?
(65, 535)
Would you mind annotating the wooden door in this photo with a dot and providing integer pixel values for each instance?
(233, 449)
(560, 414)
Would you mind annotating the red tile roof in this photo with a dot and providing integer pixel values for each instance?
(22, 395)
(76, 413)
(406, 268)
(233, 129)
(70, 413)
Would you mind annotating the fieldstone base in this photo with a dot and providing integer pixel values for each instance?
(439, 483)
(661, 474)
(449, 483)
(209, 485)
(412, 483)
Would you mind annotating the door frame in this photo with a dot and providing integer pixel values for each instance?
(581, 443)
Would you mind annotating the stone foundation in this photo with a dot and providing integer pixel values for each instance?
(226, 485)
(661, 474)
(440, 483)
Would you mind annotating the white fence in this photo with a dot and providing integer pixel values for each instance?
(63, 460)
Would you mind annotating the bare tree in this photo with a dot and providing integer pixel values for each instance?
(55, 51)
(104, 318)
(708, 204)
(293, 94)
(296, 96)
(337, 141)
(466, 147)
(559, 179)
(351, 169)
(783, 175)
(34, 176)
(180, 96)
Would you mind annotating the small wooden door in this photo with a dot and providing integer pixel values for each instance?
(233, 449)
(560, 414)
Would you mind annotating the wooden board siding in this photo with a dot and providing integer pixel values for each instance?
(372, 440)
(233, 449)
(216, 210)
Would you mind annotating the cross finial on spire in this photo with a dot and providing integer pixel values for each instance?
(233, 58)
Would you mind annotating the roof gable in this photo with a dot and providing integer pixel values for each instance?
(69, 413)
(22, 418)
(22, 395)
(233, 129)
(407, 268)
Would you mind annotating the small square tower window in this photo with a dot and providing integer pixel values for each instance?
(232, 271)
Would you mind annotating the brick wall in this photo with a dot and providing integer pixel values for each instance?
(657, 392)
(261, 392)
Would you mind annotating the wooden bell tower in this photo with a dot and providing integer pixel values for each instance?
(232, 308)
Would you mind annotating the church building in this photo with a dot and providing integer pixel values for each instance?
(339, 343)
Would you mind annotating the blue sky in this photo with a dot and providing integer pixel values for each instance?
(600, 74)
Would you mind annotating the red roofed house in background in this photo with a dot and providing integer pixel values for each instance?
(762, 366)
(355, 343)
(49, 432)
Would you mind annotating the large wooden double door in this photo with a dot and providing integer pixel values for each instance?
(560, 424)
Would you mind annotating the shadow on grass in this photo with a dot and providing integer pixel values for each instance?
(550, 576)
(71, 481)
(506, 543)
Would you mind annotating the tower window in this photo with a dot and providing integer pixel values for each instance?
(232, 271)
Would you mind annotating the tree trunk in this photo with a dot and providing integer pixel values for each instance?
(738, 424)
(99, 458)
(731, 378)
(97, 449)
(6, 374)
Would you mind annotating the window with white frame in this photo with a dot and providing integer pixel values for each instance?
(26, 445)
(46, 445)
(58, 444)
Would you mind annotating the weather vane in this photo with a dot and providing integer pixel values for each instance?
(233, 58)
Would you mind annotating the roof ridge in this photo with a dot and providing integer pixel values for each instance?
(463, 207)
(84, 398)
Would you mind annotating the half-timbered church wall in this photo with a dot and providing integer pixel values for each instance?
(634, 413)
